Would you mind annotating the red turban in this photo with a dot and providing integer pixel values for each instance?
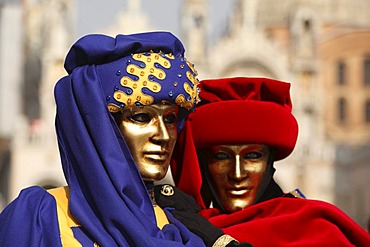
(245, 110)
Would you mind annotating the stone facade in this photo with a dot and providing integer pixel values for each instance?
(34, 158)
(11, 77)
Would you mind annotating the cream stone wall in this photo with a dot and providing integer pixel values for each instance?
(11, 77)
(351, 48)
(35, 157)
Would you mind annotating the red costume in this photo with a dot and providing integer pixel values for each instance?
(257, 110)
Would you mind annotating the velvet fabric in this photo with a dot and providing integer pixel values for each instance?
(277, 220)
(236, 110)
(291, 222)
(260, 107)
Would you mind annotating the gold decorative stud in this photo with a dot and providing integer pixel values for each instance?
(167, 190)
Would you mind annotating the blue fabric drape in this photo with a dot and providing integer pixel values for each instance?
(107, 195)
(30, 220)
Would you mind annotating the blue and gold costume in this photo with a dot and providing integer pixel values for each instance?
(106, 202)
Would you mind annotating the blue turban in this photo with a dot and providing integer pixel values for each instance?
(139, 70)
(107, 195)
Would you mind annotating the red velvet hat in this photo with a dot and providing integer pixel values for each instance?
(245, 110)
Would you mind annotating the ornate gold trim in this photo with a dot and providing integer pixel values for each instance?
(223, 241)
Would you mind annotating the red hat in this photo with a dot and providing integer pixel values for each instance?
(245, 110)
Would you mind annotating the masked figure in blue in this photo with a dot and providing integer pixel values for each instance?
(119, 110)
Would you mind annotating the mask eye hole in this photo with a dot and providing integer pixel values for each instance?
(170, 118)
(252, 156)
(141, 117)
(220, 156)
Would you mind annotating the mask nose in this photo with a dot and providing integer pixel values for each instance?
(161, 133)
(237, 172)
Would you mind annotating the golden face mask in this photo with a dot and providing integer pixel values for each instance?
(150, 133)
(236, 172)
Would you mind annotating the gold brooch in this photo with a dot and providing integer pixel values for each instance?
(167, 190)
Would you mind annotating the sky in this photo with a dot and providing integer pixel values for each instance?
(93, 15)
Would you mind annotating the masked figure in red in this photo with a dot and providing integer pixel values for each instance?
(225, 157)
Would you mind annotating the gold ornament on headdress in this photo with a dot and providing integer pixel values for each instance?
(136, 94)
(191, 90)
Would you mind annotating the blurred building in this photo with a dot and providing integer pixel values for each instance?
(10, 85)
(35, 36)
(321, 46)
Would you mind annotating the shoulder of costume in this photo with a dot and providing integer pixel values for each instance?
(31, 198)
(27, 219)
(61, 195)
(65, 219)
(332, 214)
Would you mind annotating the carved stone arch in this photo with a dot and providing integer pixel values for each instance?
(254, 56)
(248, 68)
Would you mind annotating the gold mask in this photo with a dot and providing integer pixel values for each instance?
(236, 172)
(150, 133)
